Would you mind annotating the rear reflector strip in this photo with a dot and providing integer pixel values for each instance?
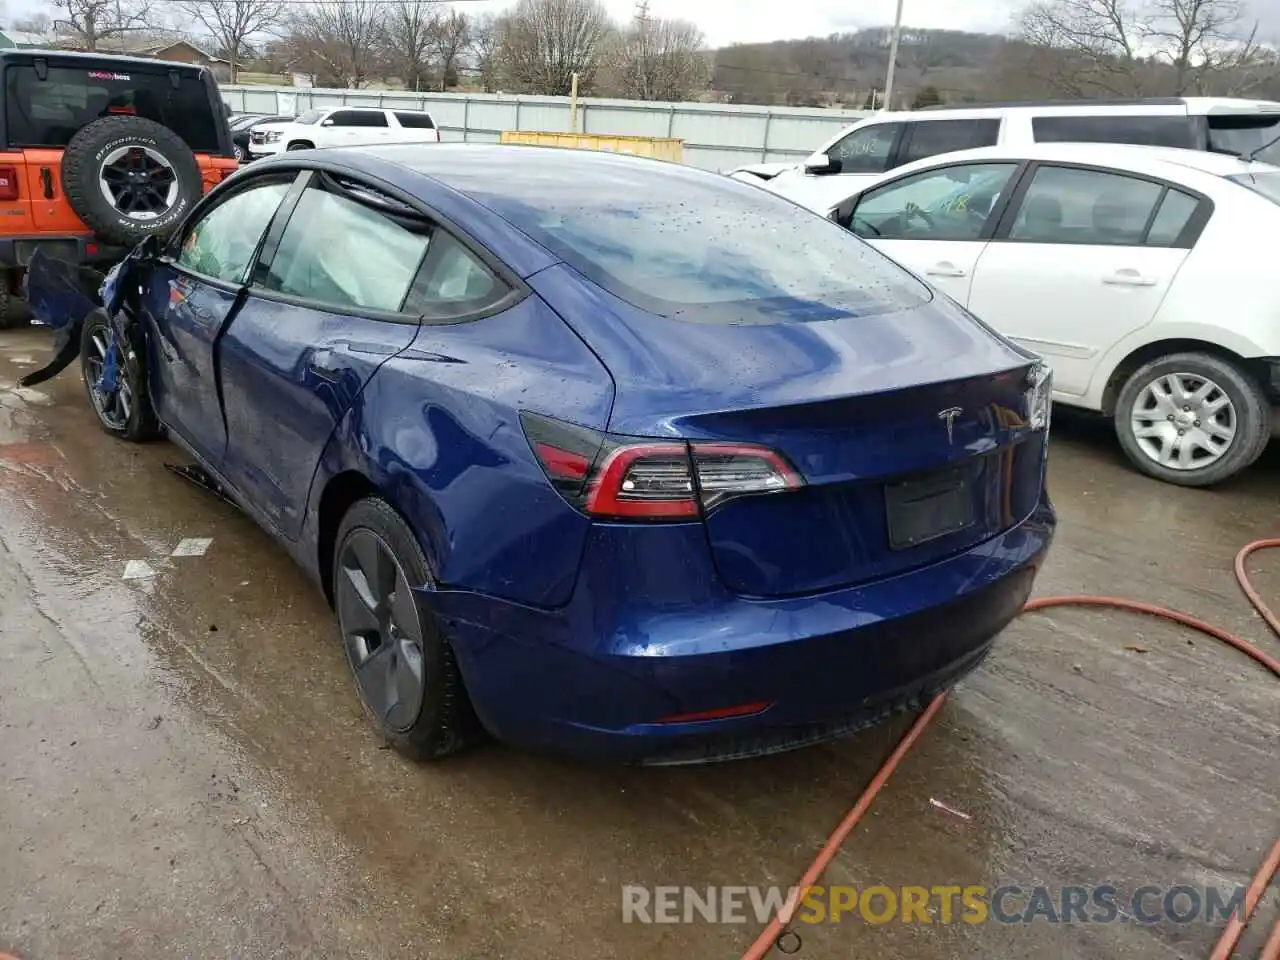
(724, 713)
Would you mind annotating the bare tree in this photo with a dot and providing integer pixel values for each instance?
(231, 22)
(1134, 47)
(38, 25)
(486, 34)
(449, 38)
(547, 41)
(88, 23)
(339, 39)
(659, 60)
(408, 34)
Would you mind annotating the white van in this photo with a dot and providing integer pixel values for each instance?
(890, 139)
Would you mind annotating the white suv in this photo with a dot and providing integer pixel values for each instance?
(345, 127)
(871, 147)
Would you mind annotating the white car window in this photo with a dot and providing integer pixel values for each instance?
(222, 243)
(1070, 205)
(867, 149)
(950, 203)
(345, 254)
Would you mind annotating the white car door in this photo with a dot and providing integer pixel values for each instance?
(937, 222)
(1084, 260)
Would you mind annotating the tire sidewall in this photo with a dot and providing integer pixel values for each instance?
(167, 220)
(435, 727)
(1253, 420)
(129, 370)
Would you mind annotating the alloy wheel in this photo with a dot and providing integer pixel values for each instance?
(1183, 421)
(112, 407)
(381, 628)
(138, 182)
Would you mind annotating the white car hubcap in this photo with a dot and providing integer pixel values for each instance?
(1183, 421)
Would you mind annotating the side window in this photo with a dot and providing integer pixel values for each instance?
(359, 118)
(222, 243)
(866, 150)
(1169, 131)
(929, 138)
(951, 203)
(415, 121)
(341, 252)
(1067, 205)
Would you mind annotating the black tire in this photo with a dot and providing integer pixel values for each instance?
(15, 312)
(136, 421)
(242, 155)
(301, 145)
(1247, 406)
(92, 148)
(441, 721)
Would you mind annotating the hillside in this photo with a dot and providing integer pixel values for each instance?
(844, 69)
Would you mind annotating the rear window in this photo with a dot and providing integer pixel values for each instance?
(1244, 135)
(1267, 184)
(1168, 131)
(47, 113)
(415, 121)
(697, 247)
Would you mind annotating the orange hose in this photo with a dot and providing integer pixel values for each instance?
(1233, 929)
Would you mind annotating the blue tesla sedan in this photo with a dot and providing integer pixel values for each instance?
(598, 454)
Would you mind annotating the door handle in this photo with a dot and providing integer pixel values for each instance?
(46, 180)
(1128, 278)
(946, 269)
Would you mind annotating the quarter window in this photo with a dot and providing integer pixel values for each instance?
(866, 150)
(340, 252)
(1167, 131)
(930, 138)
(1176, 211)
(951, 203)
(415, 121)
(1067, 205)
(222, 244)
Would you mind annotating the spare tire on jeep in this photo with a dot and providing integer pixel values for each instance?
(129, 178)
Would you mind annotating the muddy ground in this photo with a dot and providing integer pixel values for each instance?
(185, 770)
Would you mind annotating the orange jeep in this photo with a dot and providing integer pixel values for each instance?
(98, 152)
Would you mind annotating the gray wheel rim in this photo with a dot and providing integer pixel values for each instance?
(1183, 421)
(381, 629)
(140, 183)
(115, 408)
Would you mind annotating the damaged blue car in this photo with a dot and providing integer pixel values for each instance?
(597, 454)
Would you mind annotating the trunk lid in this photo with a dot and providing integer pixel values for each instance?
(909, 428)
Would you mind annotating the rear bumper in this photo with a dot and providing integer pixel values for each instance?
(17, 251)
(592, 679)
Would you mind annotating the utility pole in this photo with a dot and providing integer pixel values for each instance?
(893, 58)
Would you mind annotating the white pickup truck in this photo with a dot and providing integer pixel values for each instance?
(344, 127)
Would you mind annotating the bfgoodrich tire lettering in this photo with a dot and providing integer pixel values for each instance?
(377, 563)
(1231, 397)
(82, 167)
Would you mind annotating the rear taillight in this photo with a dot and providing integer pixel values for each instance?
(8, 183)
(632, 478)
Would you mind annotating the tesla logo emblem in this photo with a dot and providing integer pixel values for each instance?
(948, 416)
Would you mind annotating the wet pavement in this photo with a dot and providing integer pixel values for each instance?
(185, 770)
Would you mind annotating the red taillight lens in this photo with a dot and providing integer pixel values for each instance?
(632, 478)
(8, 183)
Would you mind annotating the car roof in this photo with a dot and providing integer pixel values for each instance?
(1121, 156)
(1187, 106)
(78, 56)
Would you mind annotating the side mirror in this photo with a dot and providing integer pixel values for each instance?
(327, 122)
(821, 164)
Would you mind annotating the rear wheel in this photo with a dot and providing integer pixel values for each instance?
(404, 667)
(124, 407)
(1192, 419)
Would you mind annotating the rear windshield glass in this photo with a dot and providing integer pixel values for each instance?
(701, 248)
(1267, 184)
(1244, 135)
(47, 113)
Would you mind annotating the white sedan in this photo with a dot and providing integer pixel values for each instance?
(1146, 277)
